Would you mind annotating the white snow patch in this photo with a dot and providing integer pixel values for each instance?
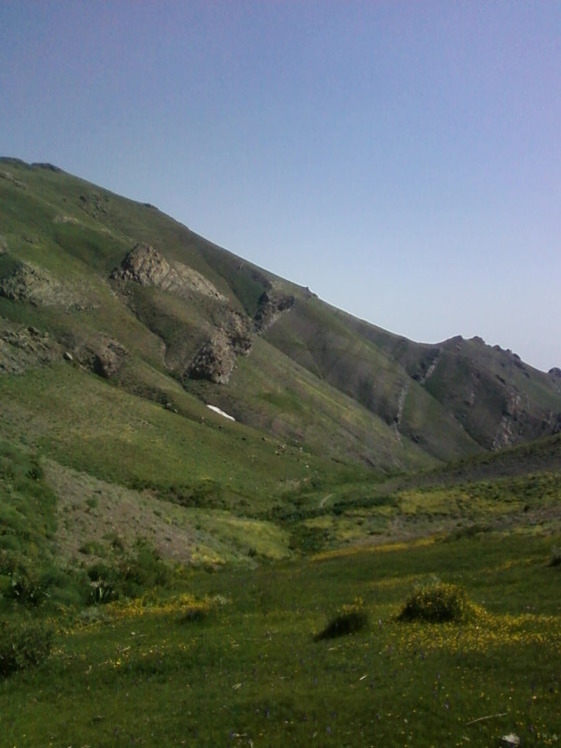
(220, 412)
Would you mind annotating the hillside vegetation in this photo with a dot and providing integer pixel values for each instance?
(356, 544)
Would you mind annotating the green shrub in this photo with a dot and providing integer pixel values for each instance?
(130, 576)
(349, 619)
(23, 644)
(25, 585)
(143, 571)
(438, 602)
(194, 610)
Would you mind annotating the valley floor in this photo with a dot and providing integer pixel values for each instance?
(229, 658)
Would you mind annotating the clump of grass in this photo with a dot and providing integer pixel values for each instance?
(23, 644)
(195, 610)
(191, 609)
(438, 602)
(349, 619)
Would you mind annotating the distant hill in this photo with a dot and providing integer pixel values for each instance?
(113, 301)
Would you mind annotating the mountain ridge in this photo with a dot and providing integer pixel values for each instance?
(130, 294)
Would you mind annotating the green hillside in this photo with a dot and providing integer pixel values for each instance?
(186, 311)
(356, 544)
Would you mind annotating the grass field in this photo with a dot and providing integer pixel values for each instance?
(229, 658)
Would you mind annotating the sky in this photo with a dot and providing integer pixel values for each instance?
(400, 158)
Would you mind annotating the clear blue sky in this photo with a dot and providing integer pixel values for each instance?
(403, 159)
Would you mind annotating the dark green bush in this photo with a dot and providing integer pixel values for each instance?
(349, 619)
(438, 603)
(143, 571)
(130, 576)
(25, 585)
(23, 644)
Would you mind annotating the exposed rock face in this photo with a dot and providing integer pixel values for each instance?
(237, 329)
(229, 333)
(36, 286)
(518, 421)
(215, 361)
(555, 373)
(148, 267)
(95, 204)
(22, 348)
(271, 305)
(9, 178)
(104, 356)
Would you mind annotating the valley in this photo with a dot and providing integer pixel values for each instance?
(203, 465)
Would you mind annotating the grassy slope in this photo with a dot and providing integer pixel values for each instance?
(476, 383)
(78, 233)
(251, 673)
(91, 425)
(322, 341)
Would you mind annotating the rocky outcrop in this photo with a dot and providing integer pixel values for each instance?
(10, 178)
(103, 355)
(237, 329)
(216, 359)
(22, 348)
(518, 422)
(148, 267)
(95, 204)
(31, 284)
(229, 333)
(271, 305)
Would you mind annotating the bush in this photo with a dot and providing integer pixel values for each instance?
(438, 603)
(194, 610)
(130, 577)
(23, 644)
(348, 620)
(25, 585)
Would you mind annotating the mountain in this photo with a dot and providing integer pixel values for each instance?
(111, 310)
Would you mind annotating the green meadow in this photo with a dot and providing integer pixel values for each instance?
(142, 603)
(231, 657)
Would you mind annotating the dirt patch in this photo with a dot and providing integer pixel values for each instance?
(92, 512)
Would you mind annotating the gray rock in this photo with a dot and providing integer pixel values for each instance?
(271, 305)
(215, 361)
(148, 267)
(510, 740)
(103, 355)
